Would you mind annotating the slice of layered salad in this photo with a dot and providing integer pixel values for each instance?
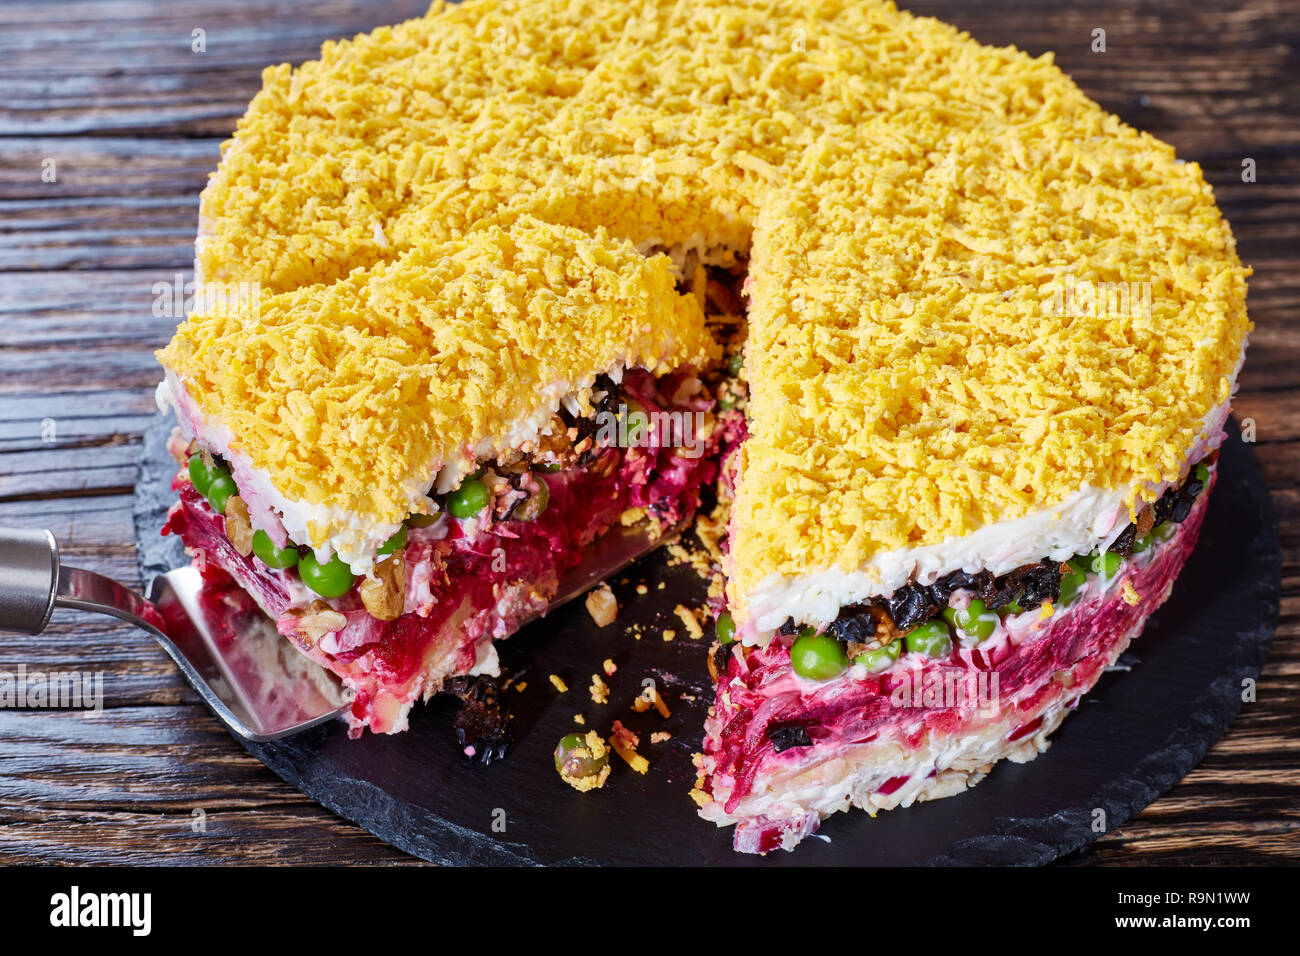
(914, 695)
(399, 466)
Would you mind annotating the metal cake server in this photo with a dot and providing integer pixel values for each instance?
(254, 680)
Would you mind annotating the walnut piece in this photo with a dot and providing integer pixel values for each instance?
(238, 527)
(384, 595)
(558, 442)
(1146, 520)
(602, 606)
(317, 621)
(886, 630)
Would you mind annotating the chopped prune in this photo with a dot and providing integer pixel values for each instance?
(1164, 505)
(855, 623)
(785, 736)
(959, 581)
(721, 655)
(789, 628)
(482, 722)
(1176, 503)
(912, 604)
(1030, 586)
(1125, 542)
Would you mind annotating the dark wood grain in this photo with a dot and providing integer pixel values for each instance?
(133, 119)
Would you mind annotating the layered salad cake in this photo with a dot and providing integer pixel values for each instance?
(991, 336)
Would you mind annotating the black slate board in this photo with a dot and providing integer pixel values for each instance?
(1136, 735)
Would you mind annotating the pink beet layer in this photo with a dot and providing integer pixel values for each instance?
(1031, 672)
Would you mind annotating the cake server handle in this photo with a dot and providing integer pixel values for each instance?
(34, 581)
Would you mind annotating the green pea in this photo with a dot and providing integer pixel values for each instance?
(396, 541)
(200, 474)
(469, 499)
(1071, 582)
(1011, 607)
(531, 509)
(637, 423)
(818, 656)
(1202, 474)
(881, 658)
(278, 558)
(975, 621)
(573, 758)
(725, 627)
(931, 638)
(1105, 563)
(550, 467)
(221, 489)
(422, 521)
(331, 580)
(735, 362)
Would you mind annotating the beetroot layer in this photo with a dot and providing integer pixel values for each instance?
(846, 716)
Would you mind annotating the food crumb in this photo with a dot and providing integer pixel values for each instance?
(599, 690)
(698, 793)
(642, 589)
(659, 736)
(602, 606)
(580, 720)
(609, 667)
(691, 622)
(558, 684)
(584, 765)
(650, 697)
(624, 742)
(520, 686)
(669, 634)
(1130, 594)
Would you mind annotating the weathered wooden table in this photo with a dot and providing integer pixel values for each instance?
(110, 119)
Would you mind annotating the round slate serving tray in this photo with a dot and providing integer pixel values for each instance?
(1136, 735)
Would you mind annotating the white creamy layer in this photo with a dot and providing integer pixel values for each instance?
(361, 537)
(1090, 519)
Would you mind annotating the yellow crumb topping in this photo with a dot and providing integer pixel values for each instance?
(650, 697)
(624, 743)
(1129, 593)
(353, 394)
(689, 621)
(972, 291)
(558, 683)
